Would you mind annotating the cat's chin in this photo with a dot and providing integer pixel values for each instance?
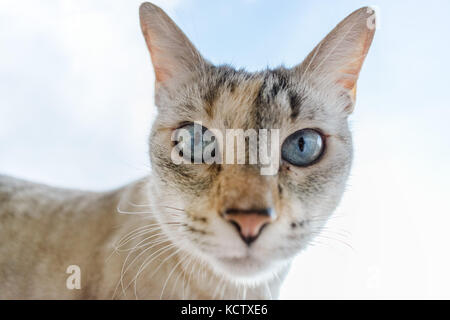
(247, 269)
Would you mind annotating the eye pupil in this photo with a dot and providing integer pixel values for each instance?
(301, 144)
(213, 153)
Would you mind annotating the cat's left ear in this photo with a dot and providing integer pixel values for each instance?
(336, 61)
(174, 57)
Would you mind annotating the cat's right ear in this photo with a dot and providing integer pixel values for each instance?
(174, 57)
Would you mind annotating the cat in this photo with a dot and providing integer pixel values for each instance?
(197, 230)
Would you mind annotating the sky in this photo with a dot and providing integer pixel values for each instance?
(76, 106)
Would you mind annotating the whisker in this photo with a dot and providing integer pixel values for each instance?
(268, 291)
(335, 239)
(326, 217)
(196, 262)
(178, 277)
(141, 212)
(244, 292)
(138, 205)
(144, 244)
(170, 274)
(136, 234)
(150, 205)
(142, 232)
(334, 232)
(217, 287)
(165, 259)
(173, 208)
(125, 267)
(147, 262)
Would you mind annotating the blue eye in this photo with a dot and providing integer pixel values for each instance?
(193, 149)
(303, 147)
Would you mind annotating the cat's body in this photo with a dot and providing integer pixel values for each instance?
(44, 230)
(198, 230)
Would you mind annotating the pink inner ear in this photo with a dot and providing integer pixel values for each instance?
(353, 67)
(349, 81)
(161, 74)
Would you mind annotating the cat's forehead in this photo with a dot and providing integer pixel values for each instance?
(239, 99)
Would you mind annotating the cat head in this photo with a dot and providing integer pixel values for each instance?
(243, 223)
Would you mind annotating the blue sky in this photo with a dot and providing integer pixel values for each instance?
(76, 88)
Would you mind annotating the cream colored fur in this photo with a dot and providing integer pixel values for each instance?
(43, 230)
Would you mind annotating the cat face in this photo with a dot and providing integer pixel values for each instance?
(244, 224)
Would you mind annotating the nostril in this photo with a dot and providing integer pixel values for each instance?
(238, 227)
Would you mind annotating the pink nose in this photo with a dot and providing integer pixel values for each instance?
(249, 223)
